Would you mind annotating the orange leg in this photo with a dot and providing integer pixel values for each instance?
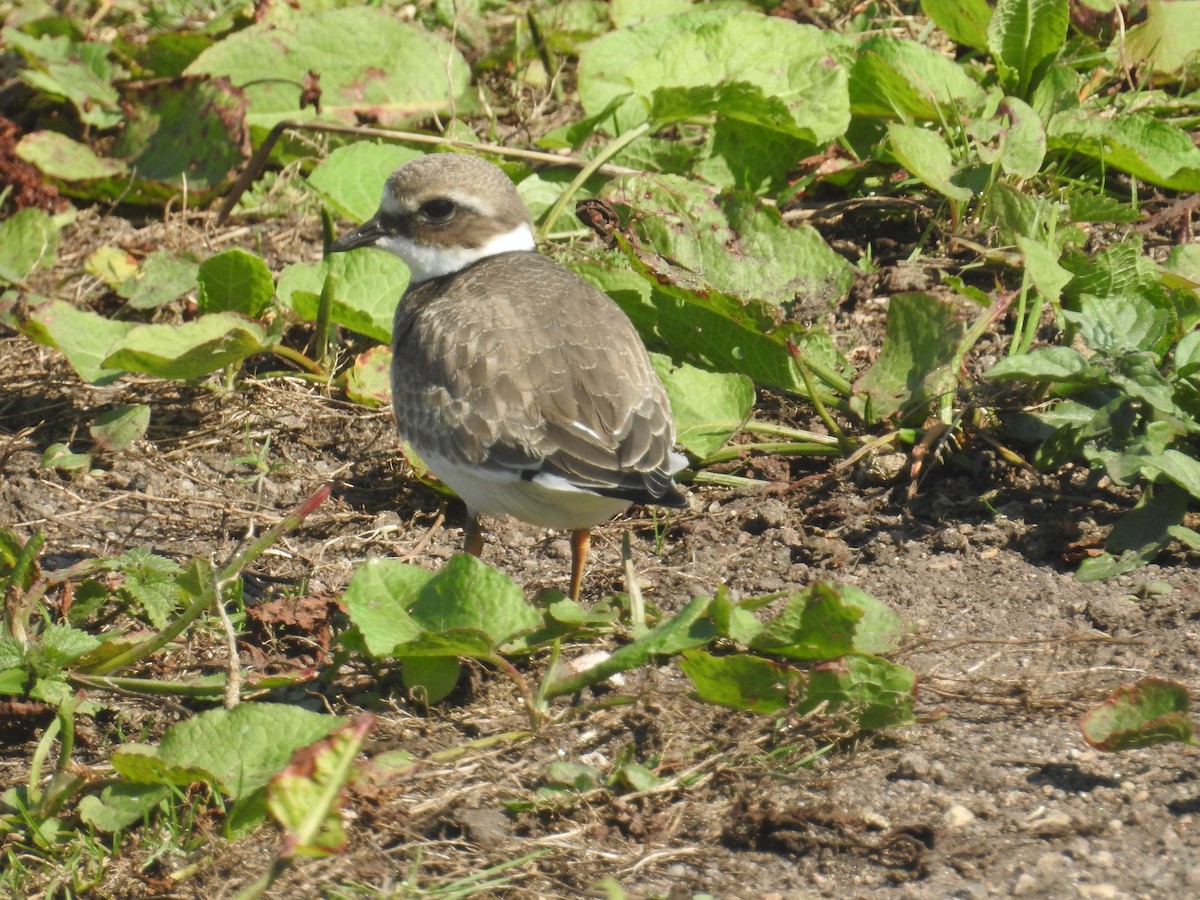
(581, 540)
(472, 535)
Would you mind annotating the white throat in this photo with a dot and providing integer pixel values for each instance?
(426, 262)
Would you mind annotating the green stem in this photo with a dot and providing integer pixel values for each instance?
(790, 448)
(285, 352)
(803, 367)
(797, 434)
(615, 146)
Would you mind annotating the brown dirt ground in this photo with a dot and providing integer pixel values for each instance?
(993, 793)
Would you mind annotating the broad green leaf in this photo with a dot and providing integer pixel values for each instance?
(625, 13)
(904, 80)
(28, 240)
(377, 601)
(708, 407)
(151, 583)
(914, 368)
(368, 381)
(927, 157)
(369, 285)
(305, 798)
(467, 593)
(235, 281)
(191, 350)
(84, 338)
(61, 645)
(1024, 37)
(59, 456)
(351, 178)
(61, 157)
(164, 276)
(1178, 467)
(741, 681)
(112, 265)
(865, 691)
(120, 805)
(795, 64)
(1120, 268)
(880, 628)
(1046, 364)
(731, 241)
(140, 764)
(1041, 265)
(118, 428)
(392, 71)
(1023, 141)
(188, 134)
(474, 643)
(1122, 323)
(431, 678)
(1187, 355)
(244, 746)
(1093, 206)
(78, 71)
(1147, 712)
(814, 624)
(1168, 41)
(1138, 143)
(964, 21)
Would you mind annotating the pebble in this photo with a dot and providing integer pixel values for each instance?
(957, 816)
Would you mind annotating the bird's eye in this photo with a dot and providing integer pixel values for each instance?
(438, 210)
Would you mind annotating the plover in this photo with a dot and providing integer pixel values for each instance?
(521, 386)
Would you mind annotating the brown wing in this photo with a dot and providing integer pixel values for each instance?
(536, 373)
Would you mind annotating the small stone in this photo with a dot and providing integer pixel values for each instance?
(957, 816)
(1099, 891)
(1026, 884)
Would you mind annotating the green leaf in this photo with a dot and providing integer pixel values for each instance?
(431, 678)
(112, 265)
(1023, 141)
(1024, 37)
(61, 645)
(235, 281)
(1120, 323)
(1138, 143)
(28, 241)
(351, 178)
(864, 691)
(685, 630)
(1047, 364)
(369, 285)
(814, 624)
(915, 367)
(964, 21)
(880, 628)
(188, 133)
(59, 456)
(1041, 265)
(61, 157)
(468, 593)
(396, 73)
(164, 276)
(244, 746)
(732, 620)
(191, 350)
(792, 63)
(77, 71)
(742, 682)
(732, 241)
(151, 583)
(120, 427)
(927, 157)
(708, 407)
(305, 798)
(140, 764)
(85, 338)
(368, 381)
(1168, 41)
(377, 601)
(901, 79)
(120, 805)
(1120, 268)
(1148, 712)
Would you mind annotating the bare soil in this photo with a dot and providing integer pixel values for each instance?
(993, 792)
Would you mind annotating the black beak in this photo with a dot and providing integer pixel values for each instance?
(365, 235)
